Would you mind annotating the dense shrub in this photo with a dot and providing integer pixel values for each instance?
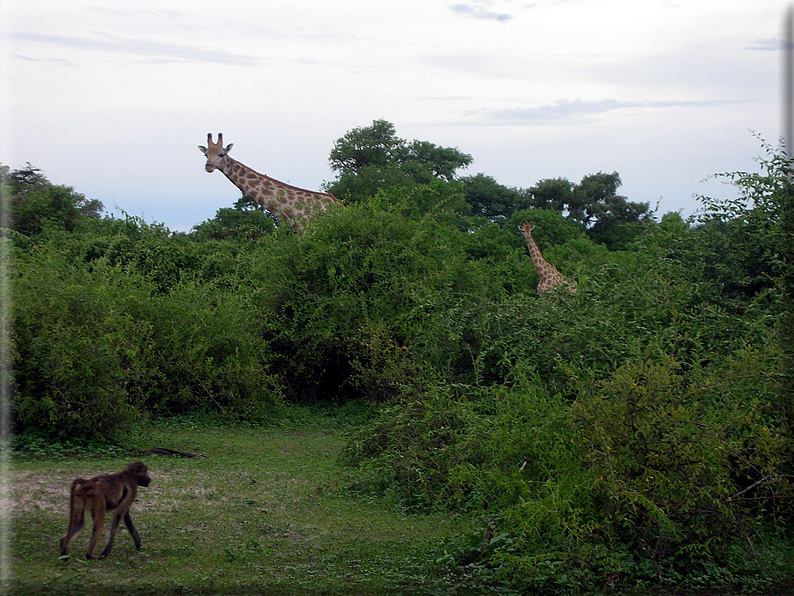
(632, 434)
(108, 326)
(77, 350)
(347, 309)
(36, 205)
(635, 433)
(641, 478)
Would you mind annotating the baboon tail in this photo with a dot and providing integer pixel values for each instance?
(78, 489)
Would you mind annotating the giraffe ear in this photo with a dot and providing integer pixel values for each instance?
(203, 149)
(228, 148)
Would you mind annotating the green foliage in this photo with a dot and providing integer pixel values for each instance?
(132, 245)
(489, 198)
(551, 227)
(636, 479)
(35, 204)
(345, 307)
(636, 433)
(608, 217)
(210, 355)
(597, 199)
(786, 199)
(246, 221)
(371, 158)
(438, 199)
(375, 145)
(555, 194)
(754, 238)
(77, 348)
(119, 322)
(744, 237)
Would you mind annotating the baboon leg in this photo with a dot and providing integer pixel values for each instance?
(76, 523)
(114, 526)
(133, 532)
(98, 513)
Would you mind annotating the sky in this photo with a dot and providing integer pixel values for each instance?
(113, 97)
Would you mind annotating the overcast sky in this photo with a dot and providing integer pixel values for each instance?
(113, 97)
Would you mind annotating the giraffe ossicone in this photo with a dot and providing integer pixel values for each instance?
(290, 204)
(547, 273)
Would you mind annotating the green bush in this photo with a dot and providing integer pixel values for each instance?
(77, 351)
(341, 308)
(209, 355)
(640, 478)
(634, 434)
(108, 326)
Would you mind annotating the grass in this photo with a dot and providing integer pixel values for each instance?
(267, 511)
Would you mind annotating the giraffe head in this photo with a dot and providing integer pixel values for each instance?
(215, 152)
(526, 228)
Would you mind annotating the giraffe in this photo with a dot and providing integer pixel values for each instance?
(548, 274)
(290, 204)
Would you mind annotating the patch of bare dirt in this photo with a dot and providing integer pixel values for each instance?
(30, 490)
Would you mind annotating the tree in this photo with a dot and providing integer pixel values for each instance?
(611, 219)
(556, 194)
(35, 203)
(425, 161)
(594, 203)
(551, 228)
(786, 198)
(376, 145)
(246, 220)
(489, 198)
(373, 158)
(747, 246)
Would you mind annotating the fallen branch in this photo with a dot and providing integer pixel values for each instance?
(754, 484)
(164, 451)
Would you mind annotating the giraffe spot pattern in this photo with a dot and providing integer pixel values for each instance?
(282, 200)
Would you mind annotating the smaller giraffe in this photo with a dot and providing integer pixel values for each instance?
(547, 273)
(290, 204)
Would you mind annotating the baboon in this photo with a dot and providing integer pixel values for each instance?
(100, 494)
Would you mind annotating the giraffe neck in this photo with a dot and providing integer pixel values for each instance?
(548, 276)
(288, 203)
(540, 263)
(261, 188)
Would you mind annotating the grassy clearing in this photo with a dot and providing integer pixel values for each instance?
(265, 512)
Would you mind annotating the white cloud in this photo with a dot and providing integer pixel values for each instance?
(570, 112)
(53, 61)
(477, 12)
(774, 45)
(153, 50)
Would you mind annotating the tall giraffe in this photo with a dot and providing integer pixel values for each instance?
(548, 274)
(290, 204)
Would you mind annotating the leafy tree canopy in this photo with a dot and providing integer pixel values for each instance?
(246, 220)
(556, 194)
(372, 158)
(551, 227)
(490, 199)
(595, 204)
(36, 204)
